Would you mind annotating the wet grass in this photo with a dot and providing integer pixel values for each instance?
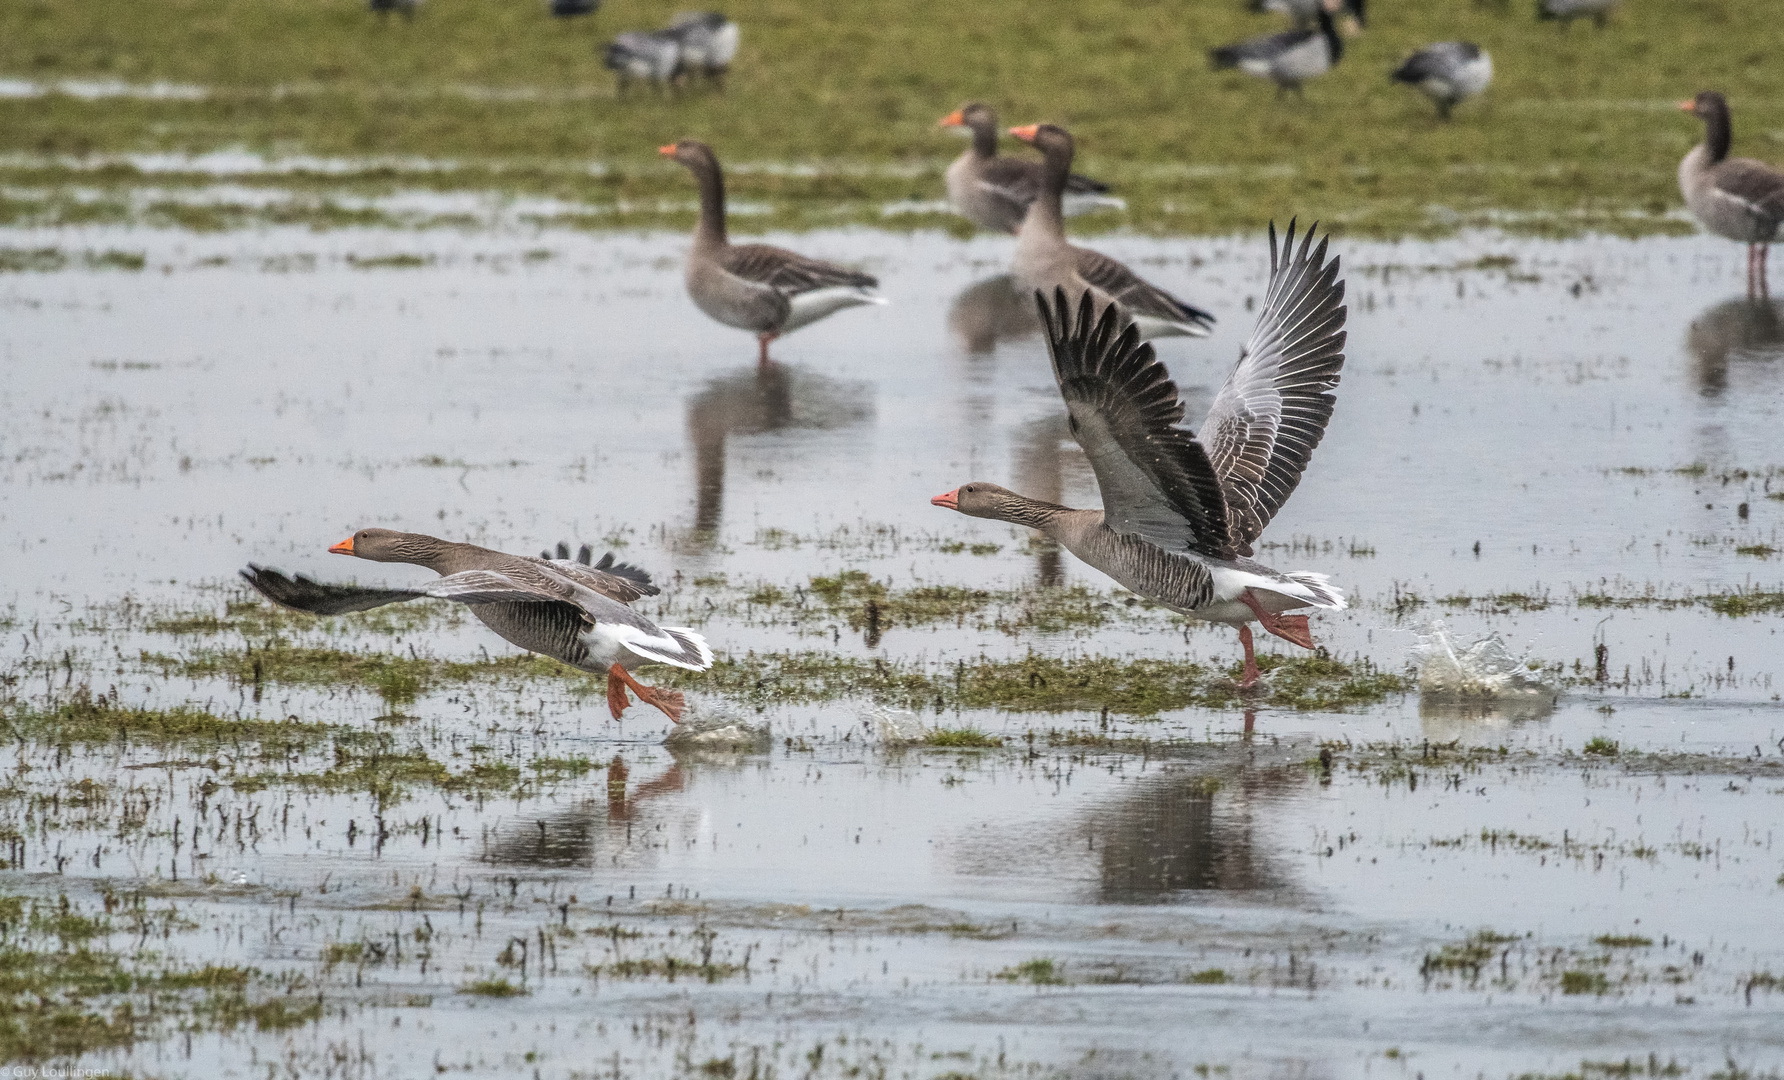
(83, 717)
(520, 103)
(1041, 971)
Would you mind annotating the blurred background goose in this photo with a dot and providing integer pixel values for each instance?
(1044, 261)
(383, 8)
(569, 9)
(1289, 58)
(1739, 198)
(1180, 513)
(1449, 73)
(1305, 13)
(766, 290)
(708, 44)
(1568, 10)
(567, 610)
(994, 192)
(645, 56)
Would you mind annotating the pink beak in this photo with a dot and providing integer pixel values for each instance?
(951, 500)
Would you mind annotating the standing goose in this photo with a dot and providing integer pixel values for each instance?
(994, 192)
(768, 291)
(1449, 73)
(1305, 13)
(1739, 198)
(1568, 10)
(1180, 513)
(1044, 261)
(649, 55)
(1289, 58)
(560, 608)
(708, 44)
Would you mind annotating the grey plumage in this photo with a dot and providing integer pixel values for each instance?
(1448, 72)
(708, 43)
(1566, 11)
(643, 55)
(1289, 58)
(994, 192)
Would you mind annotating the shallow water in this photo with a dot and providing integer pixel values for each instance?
(1522, 425)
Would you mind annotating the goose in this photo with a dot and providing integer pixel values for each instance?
(566, 9)
(1044, 260)
(383, 8)
(1180, 512)
(1568, 10)
(1739, 198)
(1289, 58)
(1449, 72)
(646, 55)
(994, 192)
(768, 291)
(708, 43)
(1305, 13)
(564, 609)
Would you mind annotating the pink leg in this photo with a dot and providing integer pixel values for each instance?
(1290, 628)
(762, 340)
(1251, 676)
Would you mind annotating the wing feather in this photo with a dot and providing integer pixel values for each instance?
(788, 272)
(1273, 409)
(1134, 293)
(1156, 481)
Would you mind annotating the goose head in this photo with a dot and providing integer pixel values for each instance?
(971, 117)
(387, 545)
(982, 500)
(693, 153)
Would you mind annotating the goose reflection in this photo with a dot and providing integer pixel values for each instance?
(987, 312)
(1735, 330)
(1179, 829)
(1040, 468)
(575, 837)
(753, 401)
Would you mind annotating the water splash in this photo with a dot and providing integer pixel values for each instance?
(1485, 671)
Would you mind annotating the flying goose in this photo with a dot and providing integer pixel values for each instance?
(708, 43)
(1739, 198)
(1449, 73)
(768, 291)
(1289, 58)
(1044, 261)
(648, 55)
(1568, 10)
(994, 192)
(1180, 512)
(563, 609)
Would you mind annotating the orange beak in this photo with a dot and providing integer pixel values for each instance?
(345, 547)
(953, 119)
(667, 151)
(1026, 132)
(950, 501)
(1688, 105)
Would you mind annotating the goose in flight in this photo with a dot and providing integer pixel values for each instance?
(1181, 511)
(562, 608)
(768, 291)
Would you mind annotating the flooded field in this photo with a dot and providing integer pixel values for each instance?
(951, 804)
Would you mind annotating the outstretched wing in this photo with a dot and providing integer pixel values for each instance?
(789, 272)
(471, 587)
(1272, 410)
(1155, 479)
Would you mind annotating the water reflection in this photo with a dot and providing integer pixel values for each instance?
(1186, 831)
(1734, 330)
(574, 837)
(756, 400)
(1475, 723)
(1040, 474)
(987, 312)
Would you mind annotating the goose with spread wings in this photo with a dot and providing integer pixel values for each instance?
(766, 290)
(1181, 511)
(567, 609)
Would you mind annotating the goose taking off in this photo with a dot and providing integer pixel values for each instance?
(768, 291)
(1289, 58)
(708, 44)
(1044, 261)
(994, 192)
(1180, 512)
(644, 55)
(1739, 198)
(1449, 73)
(566, 610)
(1568, 10)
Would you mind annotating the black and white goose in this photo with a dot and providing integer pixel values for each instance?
(1566, 11)
(707, 41)
(1305, 13)
(1289, 58)
(651, 56)
(564, 609)
(1739, 198)
(1449, 73)
(1180, 513)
